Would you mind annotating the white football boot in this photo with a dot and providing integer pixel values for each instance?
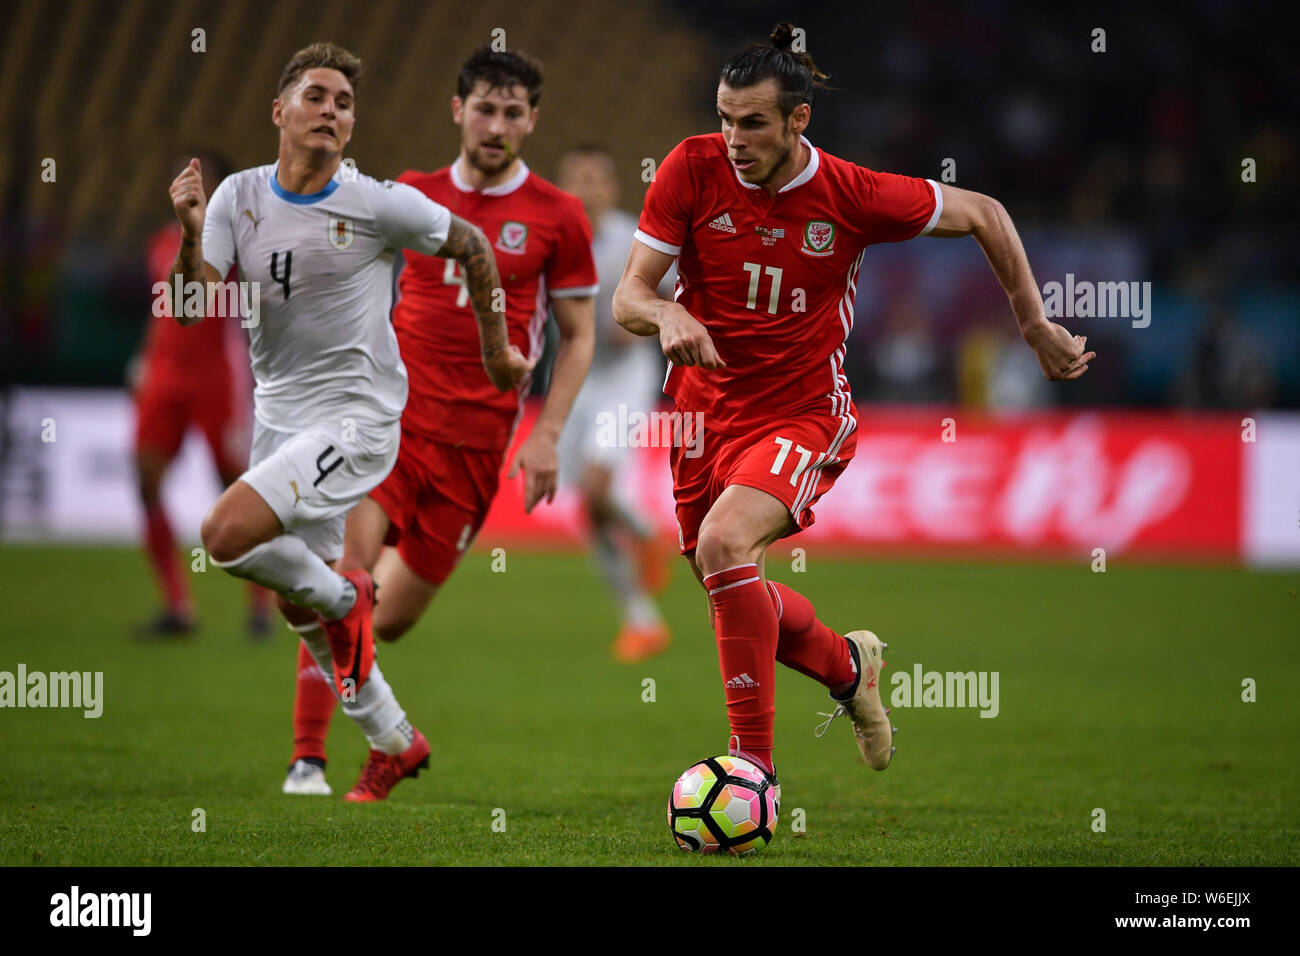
(306, 779)
(870, 719)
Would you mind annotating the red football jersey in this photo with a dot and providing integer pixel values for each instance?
(773, 279)
(542, 244)
(178, 353)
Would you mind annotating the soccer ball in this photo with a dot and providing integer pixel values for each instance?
(722, 803)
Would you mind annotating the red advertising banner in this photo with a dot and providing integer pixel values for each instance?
(1156, 484)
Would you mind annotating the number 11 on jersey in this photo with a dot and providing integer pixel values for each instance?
(755, 273)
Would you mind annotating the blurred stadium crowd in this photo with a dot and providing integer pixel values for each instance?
(1122, 165)
(1118, 165)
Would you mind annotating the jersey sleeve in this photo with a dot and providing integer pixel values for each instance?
(666, 216)
(894, 207)
(571, 269)
(408, 219)
(219, 228)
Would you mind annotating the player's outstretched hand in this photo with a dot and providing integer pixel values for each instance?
(1060, 354)
(508, 367)
(686, 342)
(541, 466)
(188, 199)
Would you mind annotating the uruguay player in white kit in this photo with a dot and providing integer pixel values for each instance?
(319, 238)
(624, 371)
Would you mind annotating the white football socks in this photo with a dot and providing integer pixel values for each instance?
(375, 709)
(286, 565)
(616, 567)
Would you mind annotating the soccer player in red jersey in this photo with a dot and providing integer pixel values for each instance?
(769, 233)
(456, 427)
(187, 378)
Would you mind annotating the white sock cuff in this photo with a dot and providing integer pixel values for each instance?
(254, 553)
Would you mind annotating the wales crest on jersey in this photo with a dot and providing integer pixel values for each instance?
(513, 237)
(341, 232)
(818, 238)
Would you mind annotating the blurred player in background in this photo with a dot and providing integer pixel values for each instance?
(319, 239)
(187, 378)
(625, 370)
(456, 427)
(769, 233)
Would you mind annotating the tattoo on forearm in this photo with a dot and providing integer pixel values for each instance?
(467, 244)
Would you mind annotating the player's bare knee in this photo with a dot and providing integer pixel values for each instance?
(222, 536)
(722, 546)
(392, 630)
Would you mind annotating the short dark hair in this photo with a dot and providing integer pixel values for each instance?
(322, 56)
(500, 69)
(796, 75)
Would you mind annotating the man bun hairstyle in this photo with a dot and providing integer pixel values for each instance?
(321, 56)
(796, 75)
(500, 70)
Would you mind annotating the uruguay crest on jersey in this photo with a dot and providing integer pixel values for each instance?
(341, 232)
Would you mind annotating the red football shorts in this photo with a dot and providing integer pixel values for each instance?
(437, 497)
(795, 462)
(166, 409)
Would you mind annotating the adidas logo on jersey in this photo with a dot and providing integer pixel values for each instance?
(741, 682)
(723, 223)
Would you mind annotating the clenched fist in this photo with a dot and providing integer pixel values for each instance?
(189, 200)
(1060, 354)
(685, 341)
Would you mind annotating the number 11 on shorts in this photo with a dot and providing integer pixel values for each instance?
(804, 456)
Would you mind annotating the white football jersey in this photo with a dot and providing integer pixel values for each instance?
(610, 245)
(323, 348)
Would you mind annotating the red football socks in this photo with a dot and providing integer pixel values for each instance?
(806, 644)
(313, 706)
(745, 623)
(160, 546)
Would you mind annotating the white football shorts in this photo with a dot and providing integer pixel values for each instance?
(592, 434)
(313, 478)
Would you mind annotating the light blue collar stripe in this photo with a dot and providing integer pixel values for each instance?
(302, 199)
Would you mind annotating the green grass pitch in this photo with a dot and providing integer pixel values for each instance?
(1120, 691)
